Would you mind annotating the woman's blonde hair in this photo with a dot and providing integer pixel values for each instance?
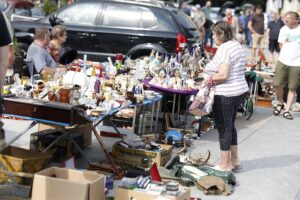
(58, 31)
(223, 31)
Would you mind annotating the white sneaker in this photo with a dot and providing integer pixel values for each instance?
(296, 107)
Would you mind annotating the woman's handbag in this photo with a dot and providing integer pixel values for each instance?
(202, 104)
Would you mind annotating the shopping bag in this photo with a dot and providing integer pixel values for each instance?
(202, 104)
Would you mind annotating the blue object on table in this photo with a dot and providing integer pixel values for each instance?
(175, 135)
(109, 182)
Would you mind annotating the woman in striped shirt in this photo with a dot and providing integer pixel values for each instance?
(227, 72)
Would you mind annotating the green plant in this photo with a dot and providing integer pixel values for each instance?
(49, 7)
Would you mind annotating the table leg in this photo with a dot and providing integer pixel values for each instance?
(157, 112)
(53, 143)
(152, 113)
(143, 117)
(186, 100)
(173, 107)
(134, 121)
(114, 126)
(19, 135)
(119, 175)
(80, 150)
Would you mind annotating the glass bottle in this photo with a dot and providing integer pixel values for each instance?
(93, 74)
(97, 84)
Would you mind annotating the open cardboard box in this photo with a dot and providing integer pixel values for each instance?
(125, 194)
(63, 184)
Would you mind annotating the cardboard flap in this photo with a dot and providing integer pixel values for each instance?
(63, 184)
(48, 188)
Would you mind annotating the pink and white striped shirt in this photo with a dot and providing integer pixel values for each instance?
(233, 54)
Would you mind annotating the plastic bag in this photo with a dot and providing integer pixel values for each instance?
(203, 102)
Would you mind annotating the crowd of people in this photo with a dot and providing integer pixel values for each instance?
(254, 29)
(250, 26)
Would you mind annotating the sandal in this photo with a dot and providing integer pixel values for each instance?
(278, 109)
(237, 168)
(287, 115)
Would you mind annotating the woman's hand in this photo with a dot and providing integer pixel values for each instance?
(208, 80)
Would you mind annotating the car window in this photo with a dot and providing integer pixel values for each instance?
(184, 20)
(22, 12)
(37, 12)
(80, 14)
(165, 21)
(149, 19)
(3, 5)
(122, 16)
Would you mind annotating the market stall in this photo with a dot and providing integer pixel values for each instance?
(122, 96)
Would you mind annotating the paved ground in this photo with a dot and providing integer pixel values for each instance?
(269, 149)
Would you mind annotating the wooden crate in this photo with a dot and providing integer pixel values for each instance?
(15, 159)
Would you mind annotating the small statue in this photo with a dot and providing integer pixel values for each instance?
(139, 87)
(161, 77)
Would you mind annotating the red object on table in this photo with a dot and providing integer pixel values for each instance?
(154, 173)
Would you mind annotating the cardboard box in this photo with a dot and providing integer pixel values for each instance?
(64, 184)
(83, 129)
(15, 159)
(124, 194)
(136, 157)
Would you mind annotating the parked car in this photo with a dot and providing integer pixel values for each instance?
(104, 28)
(215, 14)
(21, 10)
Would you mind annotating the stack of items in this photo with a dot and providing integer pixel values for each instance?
(144, 188)
(135, 153)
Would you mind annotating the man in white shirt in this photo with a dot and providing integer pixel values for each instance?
(288, 65)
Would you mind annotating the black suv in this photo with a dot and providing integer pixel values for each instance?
(104, 28)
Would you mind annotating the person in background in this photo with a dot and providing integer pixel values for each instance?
(206, 9)
(199, 19)
(11, 53)
(296, 106)
(227, 72)
(257, 27)
(58, 38)
(38, 58)
(184, 6)
(244, 20)
(208, 23)
(274, 27)
(288, 64)
(54, 50)
(232, 21)
(5, 40)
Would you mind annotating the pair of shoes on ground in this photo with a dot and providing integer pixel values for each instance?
(236, 168)
(286, 114)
